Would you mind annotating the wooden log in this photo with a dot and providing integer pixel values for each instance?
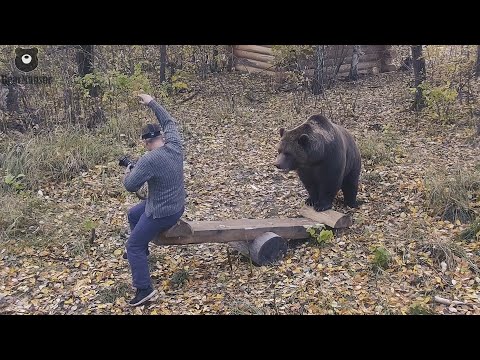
(265, 249)
(335, 51)
(388, 67)
(256, 64)
(253, 56)
(251, 69)
(331, 218)
(330, 63)
(344, 71)
(363, 72)
(361, 66)
(256, 48)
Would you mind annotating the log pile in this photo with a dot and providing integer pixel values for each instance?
(260, 59)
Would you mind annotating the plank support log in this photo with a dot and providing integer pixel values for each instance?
(266, 249)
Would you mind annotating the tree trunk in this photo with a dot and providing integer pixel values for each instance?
(163, 62)
(354, 66)
(230, 60)
(214, 61)
(420, 75)
(85, 65)
(85, 60)
(12, 99)
(318, 86)
(477, 67)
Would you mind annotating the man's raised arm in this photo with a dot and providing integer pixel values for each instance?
(167, 122)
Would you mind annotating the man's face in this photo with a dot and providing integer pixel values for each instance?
(147, 144)
(151, 144)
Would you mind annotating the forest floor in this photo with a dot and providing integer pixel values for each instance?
(395, 259)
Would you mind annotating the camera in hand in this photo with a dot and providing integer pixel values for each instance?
(125, 161)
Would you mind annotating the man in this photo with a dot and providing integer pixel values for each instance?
(162, 168)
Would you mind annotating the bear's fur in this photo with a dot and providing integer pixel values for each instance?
(326, 159)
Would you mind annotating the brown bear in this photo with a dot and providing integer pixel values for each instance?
(326, 159)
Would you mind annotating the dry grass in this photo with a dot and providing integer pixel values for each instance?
(450, 196)
(472, 233)
(18, 212)
(378, 148)
(112, 293)
(57, 156)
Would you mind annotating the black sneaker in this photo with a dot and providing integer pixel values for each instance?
(142, 296)
(126, 257)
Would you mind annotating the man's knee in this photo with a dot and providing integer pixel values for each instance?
(130, 214)
(134, 214)
(133, 247)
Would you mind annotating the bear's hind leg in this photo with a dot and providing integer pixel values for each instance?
(350, 189)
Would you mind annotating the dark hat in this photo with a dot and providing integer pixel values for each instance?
(150, 131)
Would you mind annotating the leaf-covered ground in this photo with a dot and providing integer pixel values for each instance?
(231, 132)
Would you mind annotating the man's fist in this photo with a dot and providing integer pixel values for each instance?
(145, 99)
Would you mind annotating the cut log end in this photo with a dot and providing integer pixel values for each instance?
(181, 228)
(266, 249)
(331, 218)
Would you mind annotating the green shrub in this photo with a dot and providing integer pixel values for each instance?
(320, 235)
(381, 258)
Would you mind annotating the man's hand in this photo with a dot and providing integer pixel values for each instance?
(128, 169)
(145, 99)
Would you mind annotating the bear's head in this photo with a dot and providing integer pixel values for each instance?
(26, 59)
(304, 145)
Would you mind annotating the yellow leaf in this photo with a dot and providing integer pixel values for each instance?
(118, 252)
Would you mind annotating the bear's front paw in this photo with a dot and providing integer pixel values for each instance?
(321, 207)
(352, 205)
(309, 202)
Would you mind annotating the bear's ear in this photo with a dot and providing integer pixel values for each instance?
(34, 51)
(282, 131)
(304, 140)
(19, 51)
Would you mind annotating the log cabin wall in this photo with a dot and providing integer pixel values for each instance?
(260, 59)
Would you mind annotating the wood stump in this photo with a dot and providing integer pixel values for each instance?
(265, 249)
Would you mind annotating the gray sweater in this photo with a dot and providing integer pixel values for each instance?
(162, 169)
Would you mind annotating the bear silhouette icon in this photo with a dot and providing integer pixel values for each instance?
(26, 59)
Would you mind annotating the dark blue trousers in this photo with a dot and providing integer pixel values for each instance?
(144, 229)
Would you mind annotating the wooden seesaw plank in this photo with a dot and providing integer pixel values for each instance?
(249, 229)
(238, 230)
